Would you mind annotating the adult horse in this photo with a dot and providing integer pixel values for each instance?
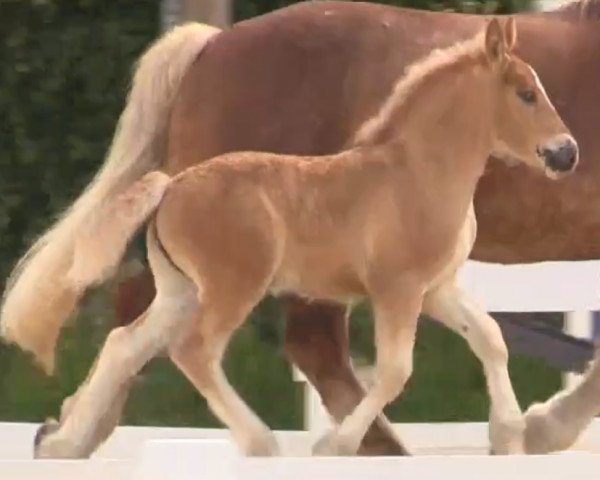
(301, 80)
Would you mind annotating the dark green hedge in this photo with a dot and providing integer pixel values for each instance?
(64, 74)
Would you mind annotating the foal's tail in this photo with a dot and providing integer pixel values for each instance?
(40, 293)
(100, 246)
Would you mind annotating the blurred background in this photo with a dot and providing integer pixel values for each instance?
(64, 75)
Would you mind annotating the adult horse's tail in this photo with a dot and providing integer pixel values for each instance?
(39, 294)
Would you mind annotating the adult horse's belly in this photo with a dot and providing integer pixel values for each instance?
(303, 79)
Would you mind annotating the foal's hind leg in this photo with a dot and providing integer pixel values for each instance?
(106, 425)
(455, 309)
(199, 355)
(125, 351)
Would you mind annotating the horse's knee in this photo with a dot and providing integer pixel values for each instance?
(393, 377)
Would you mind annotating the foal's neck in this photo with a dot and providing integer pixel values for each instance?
(443, 132)
(449, 128)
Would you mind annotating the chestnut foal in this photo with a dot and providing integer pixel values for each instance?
(391, 219)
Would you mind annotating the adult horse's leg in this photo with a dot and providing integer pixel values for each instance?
(317, 342)
(455, 309)
(557, 423)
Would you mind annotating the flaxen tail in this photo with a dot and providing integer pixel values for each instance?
(101, 244)
(45, 286)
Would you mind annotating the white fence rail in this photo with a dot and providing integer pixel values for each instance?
(452, 451)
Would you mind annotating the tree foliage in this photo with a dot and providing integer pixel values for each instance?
(64, 75)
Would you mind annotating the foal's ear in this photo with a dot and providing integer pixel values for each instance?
(495, 44)
(510, 33)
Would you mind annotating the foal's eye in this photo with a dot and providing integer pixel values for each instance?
(528, 96)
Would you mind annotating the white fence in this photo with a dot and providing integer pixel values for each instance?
(454, 451)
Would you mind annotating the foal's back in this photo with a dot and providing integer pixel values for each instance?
(297, 220)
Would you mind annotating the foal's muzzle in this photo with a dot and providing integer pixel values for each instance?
(560, 155)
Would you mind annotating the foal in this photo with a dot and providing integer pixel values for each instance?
(390, 219)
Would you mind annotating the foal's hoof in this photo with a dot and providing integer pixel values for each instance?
(331, 445)
(506, 436)
(50, 426)
(53, 446)
(50, 443)
(265, 447)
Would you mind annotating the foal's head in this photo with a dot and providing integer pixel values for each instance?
(527, 125)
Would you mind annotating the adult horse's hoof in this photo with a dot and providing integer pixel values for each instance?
(50, 426)
(331, 445)
(381, 443)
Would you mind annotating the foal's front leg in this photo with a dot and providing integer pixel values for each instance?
(396, 315)
(454, 308)
(316, 340)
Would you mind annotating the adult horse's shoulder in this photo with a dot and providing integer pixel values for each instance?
(326, 18)
(578, 10)
(327, 8)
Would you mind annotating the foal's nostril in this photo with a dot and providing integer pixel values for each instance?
(561, 157)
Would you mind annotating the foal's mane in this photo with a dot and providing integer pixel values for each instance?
(415, 76)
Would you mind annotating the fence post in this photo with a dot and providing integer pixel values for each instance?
(578, 324)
